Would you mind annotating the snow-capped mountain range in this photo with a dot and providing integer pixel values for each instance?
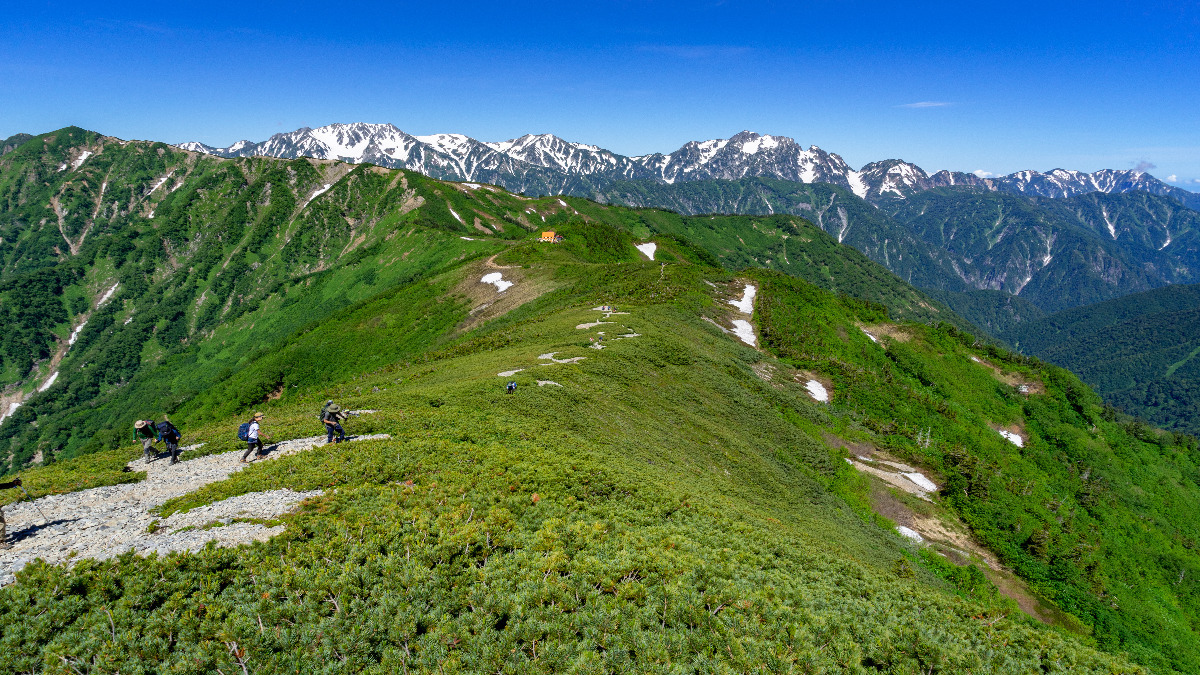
(547, 164)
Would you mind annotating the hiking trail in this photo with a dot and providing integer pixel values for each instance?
(105, 522)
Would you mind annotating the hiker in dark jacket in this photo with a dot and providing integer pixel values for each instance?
(332, 419)
(167, 433)
(144, 431)
(3, 535)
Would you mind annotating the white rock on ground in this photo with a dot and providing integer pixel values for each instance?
(550, 356)
(107, 521)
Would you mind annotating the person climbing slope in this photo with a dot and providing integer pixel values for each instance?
(169, 434)
(332, 418)
(143, 430)
(252, 438)
(3, 534)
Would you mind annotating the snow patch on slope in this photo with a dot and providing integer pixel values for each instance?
(647, 249)
(746, 304)
(744, 331)
(496, 279)
(47, 384)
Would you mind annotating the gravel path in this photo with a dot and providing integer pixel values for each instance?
(107, 521)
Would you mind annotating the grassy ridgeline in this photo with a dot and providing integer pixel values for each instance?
(664, 509)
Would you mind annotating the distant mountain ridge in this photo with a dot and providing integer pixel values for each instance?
(545, 164)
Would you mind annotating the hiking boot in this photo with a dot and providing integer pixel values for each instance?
(4, 545)
(174, 461)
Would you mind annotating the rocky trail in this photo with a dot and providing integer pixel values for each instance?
(105, 522)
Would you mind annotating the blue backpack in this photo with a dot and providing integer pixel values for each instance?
(244, 432)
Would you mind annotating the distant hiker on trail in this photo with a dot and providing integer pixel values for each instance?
(143, 430)
(3, 535)
(332, 418)
(167, 433)
(512, 387)
(252, 434)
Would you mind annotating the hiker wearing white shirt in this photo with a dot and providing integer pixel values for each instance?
(253, 441)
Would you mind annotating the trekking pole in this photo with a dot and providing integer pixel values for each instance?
(31, 501)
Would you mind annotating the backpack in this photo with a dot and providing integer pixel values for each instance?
(244, 432)
(166, 429)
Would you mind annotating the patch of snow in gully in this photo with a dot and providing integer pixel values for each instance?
(1013, 438)
(47, 383)
(12, 408)
(82, 158)
(921, 481)
(647, 249)
(744, 331)
(817, 391)
(746, 304)
(909, 534)
(497, 280)
(455, 214)
(75, 333)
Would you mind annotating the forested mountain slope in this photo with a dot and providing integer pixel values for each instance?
(1140, 351)
(665, 490)
(1054, 253)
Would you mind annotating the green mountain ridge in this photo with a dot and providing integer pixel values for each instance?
(657, 496)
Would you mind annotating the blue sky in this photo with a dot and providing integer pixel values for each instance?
(996, 87)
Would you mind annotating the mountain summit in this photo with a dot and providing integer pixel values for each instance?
(546, 164)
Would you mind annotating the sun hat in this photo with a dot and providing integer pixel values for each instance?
(139, 424)
(335, 408)
(258, 415)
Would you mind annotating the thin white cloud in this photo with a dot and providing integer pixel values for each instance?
(1172, 178)
(1143, 166)
(697, 51)
(926, 104)
(983, 174)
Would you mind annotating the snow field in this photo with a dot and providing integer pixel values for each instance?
(497, 280)
(744, 331)
(746, 304)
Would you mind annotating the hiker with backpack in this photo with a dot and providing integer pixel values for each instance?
(3, 534)
(250, 432)
(332, 416)
(512, 387)
(167, 433)
(144, 431)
